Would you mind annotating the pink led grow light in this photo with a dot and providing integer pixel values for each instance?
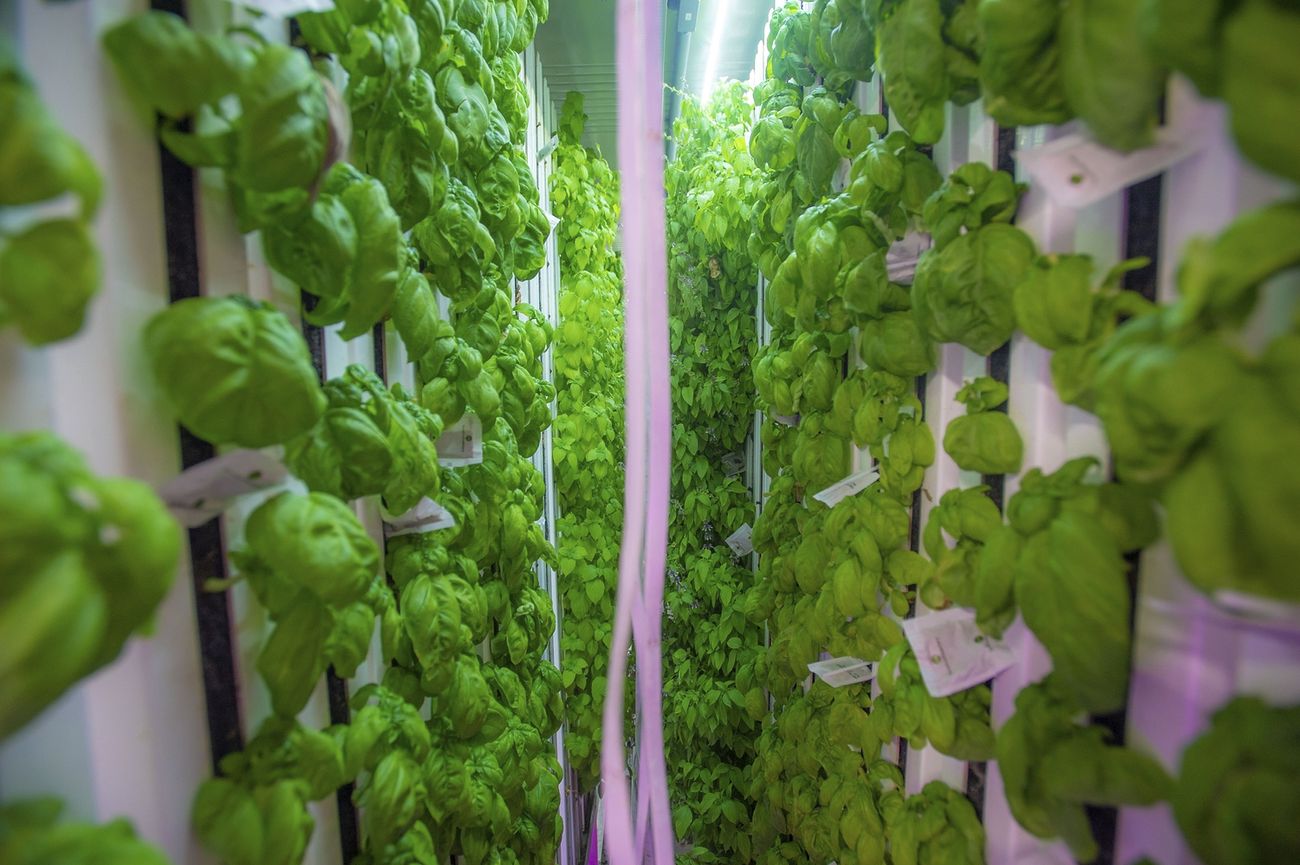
(647, 836)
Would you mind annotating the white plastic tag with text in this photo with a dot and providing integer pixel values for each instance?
(462, 444)
(954, 654)
(201, 492)
(1077, 171)
(286, 8)
(852, 485)
(838, 672)
(903, 254)
(741, 541)
(426, 516)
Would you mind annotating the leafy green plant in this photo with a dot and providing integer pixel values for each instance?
(477, 775)
(962, 292)
(440, 201)
(832, 580)
(1057, 307)
(1053, 767)
(1179, 397)
(233, 371)
(984, 440)
(1232, 800)
(1183, 405)
(937, 824)
(313, 568)
(1019, 65)
(711, 645)
(30, 833)
(970, 518)
(1044, 62)
(369, 441)
(49, 269)
(957, 725)
(86, 561)
(260, 110)
(1068, 556)
(819, 781)
(1108, 77)
(841, 42)
(788, 59)
(257, 811)
(587, 444)
(927, 53)
(974, 195)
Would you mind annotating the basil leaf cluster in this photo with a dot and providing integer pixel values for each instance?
(49, 268)
(587, 441)
(85, 559)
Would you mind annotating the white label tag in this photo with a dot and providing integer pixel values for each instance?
(851, 485)
(201, 492)
(741, 541)
(598, 809)
(426, 516)
(1266, 610)
(1077, 171)
(462, 444)
(838, 672)
(954, 654)
(285, 8)
(733, 464)
(900, 260)
(785, 419)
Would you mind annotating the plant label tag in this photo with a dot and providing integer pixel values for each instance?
(903, 254)
(741, 541)
(546, 150)
(838, 672)
(786, 419)
(426, 516)
(1077, 171)
(462, 444)
(733, 464)
(852, 485)
(954, 654)
(1262, 610)
(201, 492)
(286, 8)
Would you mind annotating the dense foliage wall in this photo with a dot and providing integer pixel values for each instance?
(426, 223)
(588, 436)
(831, 577)
(842, 383)
(426, 228)
(709, 644)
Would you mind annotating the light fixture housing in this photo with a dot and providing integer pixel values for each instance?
(723, 10)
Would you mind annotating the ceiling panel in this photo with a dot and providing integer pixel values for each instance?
(576, 47)
(741, 24)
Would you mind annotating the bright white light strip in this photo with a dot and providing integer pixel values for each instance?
(715, 47)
